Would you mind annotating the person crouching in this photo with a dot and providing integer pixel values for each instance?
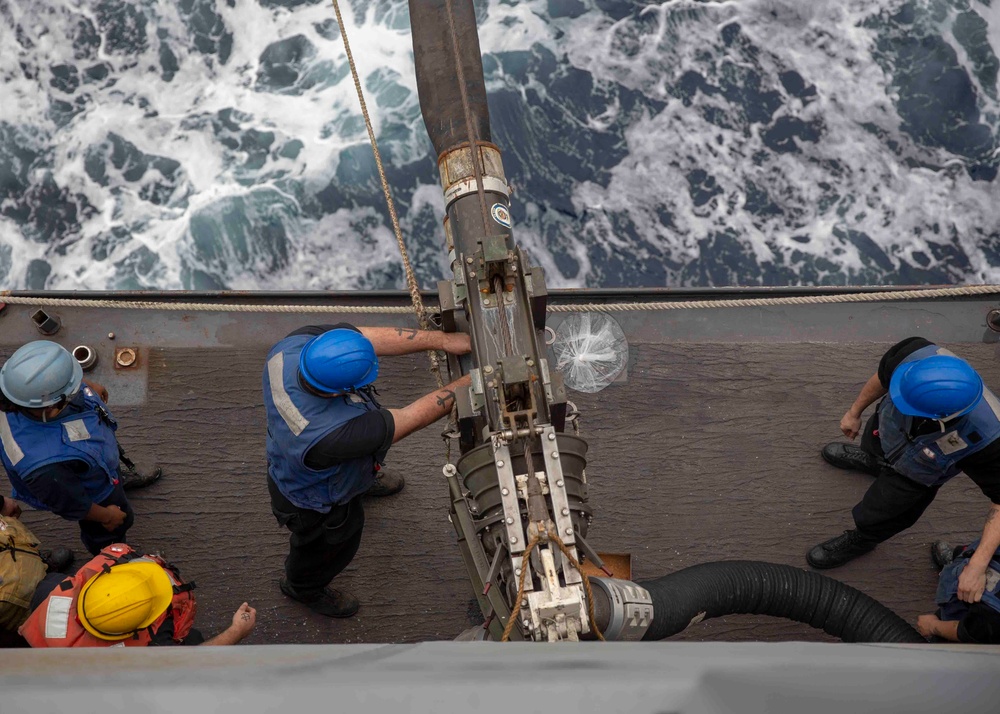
(122, 599)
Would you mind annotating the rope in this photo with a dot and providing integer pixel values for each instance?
(203, 307)
(411, 280)
(586, 585)
(526, 563)
(888, 296)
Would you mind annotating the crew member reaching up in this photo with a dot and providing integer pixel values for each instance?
(327, 436)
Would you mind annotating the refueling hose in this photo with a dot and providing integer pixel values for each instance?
(735, 587)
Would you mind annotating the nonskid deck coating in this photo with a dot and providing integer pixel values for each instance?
(707, 451)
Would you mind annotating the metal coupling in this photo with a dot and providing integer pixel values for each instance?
(631, 609)
(86, 356)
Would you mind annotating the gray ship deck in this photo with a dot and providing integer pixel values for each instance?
(707, 449)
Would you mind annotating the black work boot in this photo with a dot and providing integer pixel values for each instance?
(131, 479)
(329, 602)
(851, 457)
(385, 485)
(942, 554)
(844, 548)
(58, 559)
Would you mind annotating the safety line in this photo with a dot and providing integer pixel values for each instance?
(411, 280)
(886, 296)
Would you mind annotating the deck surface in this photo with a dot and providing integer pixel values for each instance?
(708, 450)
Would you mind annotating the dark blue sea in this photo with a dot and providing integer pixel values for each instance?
(208, 144)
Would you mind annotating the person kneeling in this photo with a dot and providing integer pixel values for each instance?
(122, 599)
(963, 614)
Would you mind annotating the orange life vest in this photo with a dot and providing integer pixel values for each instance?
(55, 622)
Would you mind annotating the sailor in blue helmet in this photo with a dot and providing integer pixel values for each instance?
(936, 419)
(58, 444)
(327, 436)
(957, 620)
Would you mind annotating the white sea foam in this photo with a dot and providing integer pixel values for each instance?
(899, 207)
(307, 229)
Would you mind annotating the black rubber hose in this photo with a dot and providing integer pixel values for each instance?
(437, 73)
(735, 587)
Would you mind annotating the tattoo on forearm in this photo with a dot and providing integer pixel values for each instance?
(445, 398)
(409, 332)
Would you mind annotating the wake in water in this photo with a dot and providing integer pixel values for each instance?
(207, 144)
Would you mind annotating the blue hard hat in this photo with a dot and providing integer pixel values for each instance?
(39, 374)
(938, 387)
(338, 361)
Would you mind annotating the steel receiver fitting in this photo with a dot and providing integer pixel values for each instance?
(631, 609)
(86, 356)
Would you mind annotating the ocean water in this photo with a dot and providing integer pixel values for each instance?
(208, 144)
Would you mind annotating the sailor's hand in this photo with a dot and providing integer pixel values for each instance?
(114, 517)
(927, 625)
(850, 425)
(244, 620)
(456, 343)
(98, 389)
(11, 508)
(971, 583)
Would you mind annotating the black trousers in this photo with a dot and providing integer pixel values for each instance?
(321, 544)
(95, 537)
(893, 502)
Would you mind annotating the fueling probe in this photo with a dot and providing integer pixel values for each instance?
(519, 501)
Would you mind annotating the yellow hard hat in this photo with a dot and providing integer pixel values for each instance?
(129, 597)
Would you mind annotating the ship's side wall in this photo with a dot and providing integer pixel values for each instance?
(435, 677)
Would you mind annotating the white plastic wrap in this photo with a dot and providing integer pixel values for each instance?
(590, 351)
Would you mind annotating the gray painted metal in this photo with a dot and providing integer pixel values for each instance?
(787, 678)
